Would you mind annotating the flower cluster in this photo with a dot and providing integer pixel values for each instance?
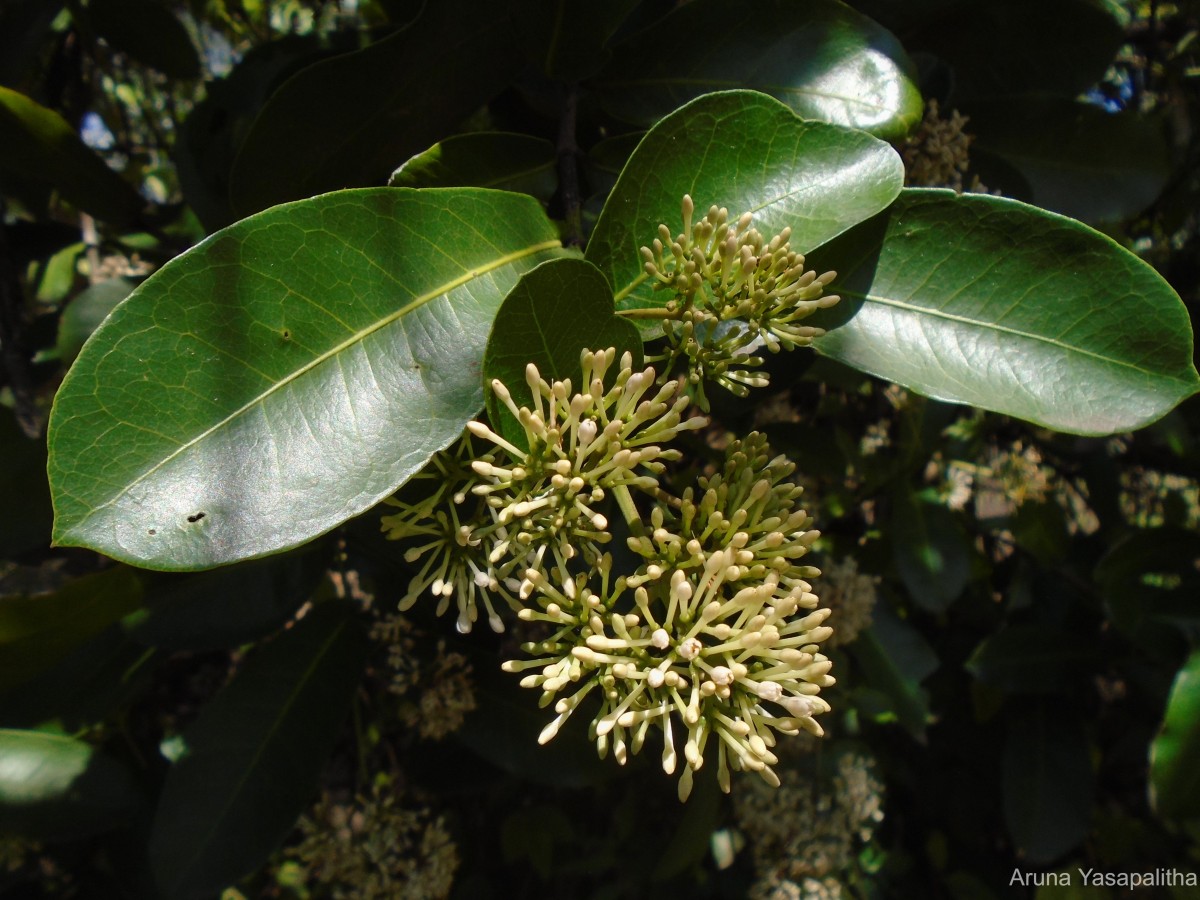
(734, 291)
(538, 508)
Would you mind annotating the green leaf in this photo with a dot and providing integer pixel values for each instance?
(1150, 583)
(1077, 159)
(285, 374)
(147, 31)
(986, 301)
(85, 312)
(347, 121)
(555, 312)
(254, 756)
(823, 59)
(227, 607)
(894, 659)
(568, 40)
(748, 153)
(491, 159)
(1047, 778)
(1036, 659)
(931, 551)
(39, 144)
(37, 631)
(55, 787)
(1175, 751)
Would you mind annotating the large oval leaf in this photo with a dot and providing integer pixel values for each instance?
(253, 758)
(1175, 752)
(1004, 306)
(495, 159)
(349, 120)
(821, 58)
(749, 153)
(285, 374)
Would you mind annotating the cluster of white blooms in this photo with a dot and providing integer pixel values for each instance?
(734, 291)
(708, 629)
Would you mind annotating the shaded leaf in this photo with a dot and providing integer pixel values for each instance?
(55, 787)
(1047, 780)
(85, 312)
(568, 40)
(39, 144)
(347, 121)
(147, 31)
(1061, 46)
(85, 687)
(1034, 659)
(37, 631)
(23, 486)
(253, 758)
(894, 659)
(1151, 585)
(1175, 752)
(554, 313)
(1077, 159)
(991, 302)
(931, 550)
(208, 139)
(285, 374)
(747, 152)
(227, 607)
(823, 59)
(490, 159)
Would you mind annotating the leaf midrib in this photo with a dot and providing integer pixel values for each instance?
(356, 338)
(1016, 332)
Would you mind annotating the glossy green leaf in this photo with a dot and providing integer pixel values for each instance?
(39, 144)
(149, 32)
(55, 787)
(931, 550)
(555, 312)
(348, 121)
(85, 312)
(490, 159)
(37, 631)
(749, 153)
(823, 59)
(253, 758)
(285, 374)
(991, 302)
(1077, 159)
(1047, 780)
(1175, 751)
(1034, 659)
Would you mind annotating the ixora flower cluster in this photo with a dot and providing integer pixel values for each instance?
(682, 610)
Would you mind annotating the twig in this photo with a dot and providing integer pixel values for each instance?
(568, 171)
